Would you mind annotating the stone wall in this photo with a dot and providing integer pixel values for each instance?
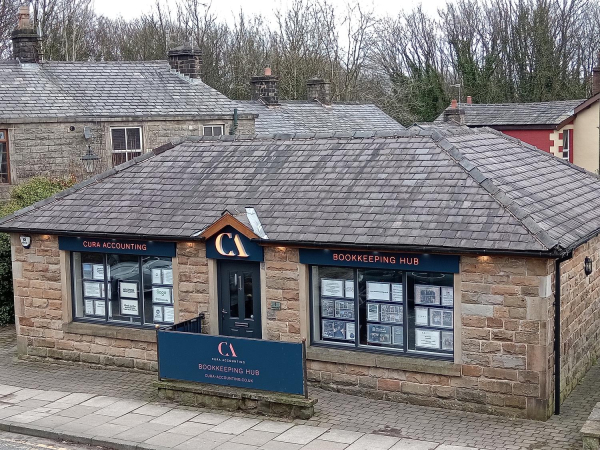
(282, 286)
(503, 368)
(193, 290)
(580, 315)
(52, 149)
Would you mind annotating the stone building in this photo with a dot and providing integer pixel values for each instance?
(438, 267)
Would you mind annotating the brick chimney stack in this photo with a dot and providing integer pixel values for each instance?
(319, 89)
(186, 60)
(596, 77)
(25, 40)
(264, 87)
(454, 114)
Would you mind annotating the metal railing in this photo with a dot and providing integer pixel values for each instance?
(187, 326)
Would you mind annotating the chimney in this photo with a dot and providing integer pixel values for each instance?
(264, 88)
(319, 89)
(186, 60)
(25, 40)
(454, 114)
(596, 78)
(469, 100)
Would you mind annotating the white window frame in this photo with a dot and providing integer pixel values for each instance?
(566, 151)
(212, 127)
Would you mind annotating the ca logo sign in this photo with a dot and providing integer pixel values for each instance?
(241, 251)
(224, 349)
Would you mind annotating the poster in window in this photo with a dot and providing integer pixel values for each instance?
(435, 317)
(93, 289)
(349, 288)
(397, 292)
(130, 307)
(100, 307)
(88, 271)
(167, 276)
(392, 313)
(333, 329)
(98, 271)
(350, 331)
(109, 307)
(447, 296)
(427, 295)
(157, 313)
(168, 314)
(421, 316)
(378, 291)
(427, 338)
(156, 276)
(128, 289)
(161, 295)
(398, 335)
(89, 307)
(379, 334)
(448, 340)
(447, 319)
(372, 312)
(344, 309)
(332, 288)
(327, 308)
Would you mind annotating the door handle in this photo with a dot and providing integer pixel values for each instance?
(223, 311)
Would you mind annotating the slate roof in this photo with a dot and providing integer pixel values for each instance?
(104, 89)
(542, 114)
(296, 116)
(445, 188)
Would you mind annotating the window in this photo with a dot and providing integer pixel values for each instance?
(126, 144)
(4, 166)
(124, 289)
(566, 150)
(214, 130)
(380, 309)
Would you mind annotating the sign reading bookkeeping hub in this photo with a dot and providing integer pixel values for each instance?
(82, 244)
(229, 361)
(380, 260)
(231, 244)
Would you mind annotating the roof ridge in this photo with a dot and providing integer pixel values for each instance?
(314, 135)
(520, 214)
(85, 183)
(470, 105)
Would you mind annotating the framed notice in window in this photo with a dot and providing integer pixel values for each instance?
(378, 291)
(427, 295)
(168, 314)
(427, 338)
(161, 295)
(130, 307)
(332, 288)
(128, 289)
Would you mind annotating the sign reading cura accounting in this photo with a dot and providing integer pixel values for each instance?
(90, 244)
(230, 361)
(231, 244)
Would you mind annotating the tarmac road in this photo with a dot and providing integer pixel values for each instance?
(12, 441)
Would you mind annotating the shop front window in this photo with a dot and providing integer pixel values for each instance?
(383, 310)
(122, 289)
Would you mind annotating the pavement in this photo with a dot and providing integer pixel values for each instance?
(118, 409)
(13, 441)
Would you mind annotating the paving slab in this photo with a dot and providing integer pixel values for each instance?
(272, 426)
(28, 417)
(6, 413)
(318, 444)
(77, 411)
(190, 428)
(412, 444)
(278, 445)
(341, 436)
(210, 418)
(100, 401)
(374, 442)
(6, 390)
(142, 432)
(20, 395)
(235, 446)
(32, 403)
(51, 396)
(254, 437)
(120, 408)
(108, 430)
(131, 419)
(174, 417)
(454, 447)
(167, 440)
(205, 441)
(300, 434)
(70, 400)
(235, 425)
(51, 421)
(153, 410)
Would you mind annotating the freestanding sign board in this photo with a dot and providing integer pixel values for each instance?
(230, 361)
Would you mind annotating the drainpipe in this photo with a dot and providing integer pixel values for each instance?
(557, 330)
(233, 129)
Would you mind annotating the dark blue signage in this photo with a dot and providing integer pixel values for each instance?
(381, 260)
(230, 361)
(231, 244)
(89, 244)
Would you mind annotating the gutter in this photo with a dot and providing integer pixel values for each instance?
(557, 342)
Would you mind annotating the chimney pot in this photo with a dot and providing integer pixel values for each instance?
(186, 60)
(267, 71)
(25, 40)
(469, 100)
(454, 104)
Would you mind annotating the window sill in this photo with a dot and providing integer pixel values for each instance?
(110, 331)
(358, 358)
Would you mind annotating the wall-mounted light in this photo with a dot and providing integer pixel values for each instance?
(587, 265)
(90, 160)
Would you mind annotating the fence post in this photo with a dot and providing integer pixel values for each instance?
(304, 368)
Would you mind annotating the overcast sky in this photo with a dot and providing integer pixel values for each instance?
(131, 8)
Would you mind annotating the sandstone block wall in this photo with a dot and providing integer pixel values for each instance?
(580, 316)
(193, 289)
